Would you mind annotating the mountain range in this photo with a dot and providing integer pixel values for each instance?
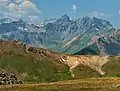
(24, 50)
(81, 36)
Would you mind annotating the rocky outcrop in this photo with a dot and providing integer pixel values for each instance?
(7, 78)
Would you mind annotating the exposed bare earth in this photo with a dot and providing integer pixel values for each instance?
(94, 62)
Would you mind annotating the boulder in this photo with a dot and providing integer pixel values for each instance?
(7, 78)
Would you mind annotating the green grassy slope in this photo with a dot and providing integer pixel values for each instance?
(29, 66)
(45, 66)
(112, 68)
(83, 72)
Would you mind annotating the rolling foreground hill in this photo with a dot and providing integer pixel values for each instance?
(32, 65)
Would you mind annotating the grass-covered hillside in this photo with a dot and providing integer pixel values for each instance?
(30, 66)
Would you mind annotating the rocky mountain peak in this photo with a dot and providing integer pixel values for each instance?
(5, 20)
(65, 18)
(101, 22)
(21, 21)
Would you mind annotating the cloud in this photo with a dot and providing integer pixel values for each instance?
(74, 8)
(16, 9)
(3, 1)
(98, 14)
(119, 11)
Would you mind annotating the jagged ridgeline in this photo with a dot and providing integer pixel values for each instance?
(31, 64)
(81, 36)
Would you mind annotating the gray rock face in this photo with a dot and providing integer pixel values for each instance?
(62, 35)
